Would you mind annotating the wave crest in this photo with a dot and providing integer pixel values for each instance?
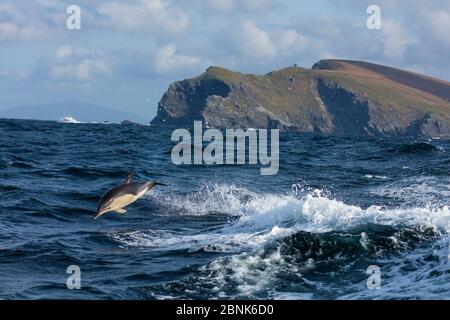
(262, 218)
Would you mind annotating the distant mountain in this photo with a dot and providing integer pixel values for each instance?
(84, 112)
(334, 97)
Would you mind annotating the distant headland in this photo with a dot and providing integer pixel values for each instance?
(333, 97)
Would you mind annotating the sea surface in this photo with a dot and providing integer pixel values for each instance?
(337, 206)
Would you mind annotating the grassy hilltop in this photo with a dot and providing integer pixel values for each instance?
(334, 97)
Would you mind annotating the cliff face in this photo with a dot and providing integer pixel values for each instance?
(334, 97)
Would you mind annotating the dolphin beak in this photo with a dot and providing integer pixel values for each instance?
(99, 214)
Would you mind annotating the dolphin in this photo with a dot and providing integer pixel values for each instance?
(122, 195)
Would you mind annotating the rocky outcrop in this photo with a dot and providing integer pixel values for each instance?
(335, 97)
(430, 125)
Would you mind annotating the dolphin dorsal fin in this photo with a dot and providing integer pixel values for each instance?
(129, 178)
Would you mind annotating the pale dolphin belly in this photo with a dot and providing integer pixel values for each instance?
(126, 199)
(123, 201)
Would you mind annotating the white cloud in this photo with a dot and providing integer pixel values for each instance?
(167, 60)
(78, 64)
(255, 42)
(16, 25)
(263, 45)
(224, 6)
(257, 5)
(12, 13)
(145, 15)
(33, 32)
(50, 3)
(8, 31)
(14, 74)
(438, 24)
(64, 52)
(240, 6)
(82, 71)
(396, 39)
(290, 39)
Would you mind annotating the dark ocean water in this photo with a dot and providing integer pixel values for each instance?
(221, 231)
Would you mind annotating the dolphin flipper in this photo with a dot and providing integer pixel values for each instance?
(120, 210)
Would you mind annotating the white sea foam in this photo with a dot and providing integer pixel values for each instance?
(418, 190)
(370, 176)
(251, 273)
(419, 274)
(68, 119)
(209, 199)
(259, 219)
(265, 217)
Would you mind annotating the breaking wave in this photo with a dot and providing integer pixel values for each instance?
(257, 218)
(274, 242)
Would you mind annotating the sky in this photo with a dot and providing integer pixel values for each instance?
(127, 52)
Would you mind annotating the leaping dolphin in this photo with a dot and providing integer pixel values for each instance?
(122, 195)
